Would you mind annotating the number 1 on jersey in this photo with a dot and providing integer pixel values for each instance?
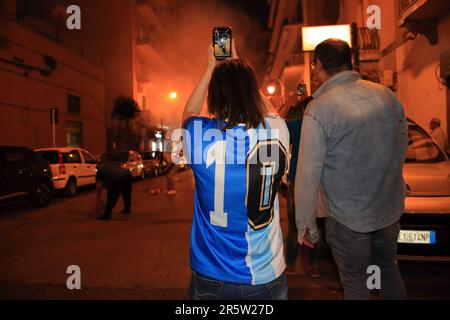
(216, 154)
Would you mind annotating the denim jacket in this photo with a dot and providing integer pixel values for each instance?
(353, 142)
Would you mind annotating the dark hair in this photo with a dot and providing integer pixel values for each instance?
(335, 55)
(234, 96)
(297, 111)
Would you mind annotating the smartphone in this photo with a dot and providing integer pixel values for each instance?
(222, 42)
(301, 89)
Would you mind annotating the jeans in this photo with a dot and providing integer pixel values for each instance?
(204, 288)
(354, 252)
(114, 190)
(292, 234)
(291, 238)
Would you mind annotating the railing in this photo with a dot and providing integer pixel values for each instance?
(42, 27)
(368, 39)
(404, 5)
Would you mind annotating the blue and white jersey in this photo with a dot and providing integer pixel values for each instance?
(235, 234)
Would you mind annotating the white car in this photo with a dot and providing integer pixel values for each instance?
(71, 167)
(425, 233)
(130, 160)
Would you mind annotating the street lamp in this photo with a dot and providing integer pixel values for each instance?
(276, 93)
(173, 95)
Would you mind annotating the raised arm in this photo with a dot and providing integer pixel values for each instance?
(197, 99)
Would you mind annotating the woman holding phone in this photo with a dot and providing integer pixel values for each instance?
(238, 156)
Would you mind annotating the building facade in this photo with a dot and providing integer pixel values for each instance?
(39, 72)
(44, 65)
(409, 53)
(413, 37)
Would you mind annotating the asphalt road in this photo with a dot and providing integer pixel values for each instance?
(142, 256)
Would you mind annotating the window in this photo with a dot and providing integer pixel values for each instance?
(88, 158)
(421, 148)
(14, 158)
(74, 134)
(51, 156)
(72, 156)
(73, 104)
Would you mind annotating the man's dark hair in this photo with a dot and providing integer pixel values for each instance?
(335, 56)
(234, 96)
(297, 111)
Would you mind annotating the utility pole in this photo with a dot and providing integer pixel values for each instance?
(53, 122)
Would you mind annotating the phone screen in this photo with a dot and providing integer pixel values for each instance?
(222, 42)
(301, 89)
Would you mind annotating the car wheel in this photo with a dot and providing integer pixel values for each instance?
(42, 194)
(71, 187)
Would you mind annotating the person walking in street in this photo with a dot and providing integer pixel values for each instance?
(170, 175)
(438, 134)
(238, 158)
(353, 142)
(117, 181)
(294, 125)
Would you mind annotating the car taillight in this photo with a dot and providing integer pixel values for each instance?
(62, 167)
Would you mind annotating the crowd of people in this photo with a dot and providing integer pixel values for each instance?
(348, 146)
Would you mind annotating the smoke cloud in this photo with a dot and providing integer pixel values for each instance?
(182, 45)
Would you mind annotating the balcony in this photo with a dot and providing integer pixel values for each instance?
(40, 26)
(422, 9)
(149, 15)
(368, 45)
(404, 5)
(421, 16)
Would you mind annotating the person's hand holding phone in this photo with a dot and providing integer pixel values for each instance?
(212, 62)
(234, 54)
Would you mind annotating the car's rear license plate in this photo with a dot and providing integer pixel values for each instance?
(417, 237)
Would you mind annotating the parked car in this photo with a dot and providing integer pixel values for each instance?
(425, 226)
(23, 173)
(151, 163)
(71, 168)
(130, 160)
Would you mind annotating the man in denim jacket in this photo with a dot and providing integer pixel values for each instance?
(353, 141)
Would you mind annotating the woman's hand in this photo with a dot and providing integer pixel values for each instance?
(234, 54)
(212, 62)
